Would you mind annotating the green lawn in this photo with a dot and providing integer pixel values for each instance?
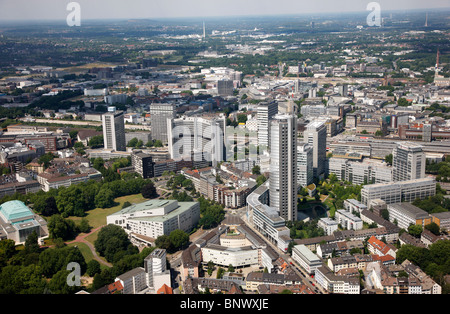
(97, 216)
(87, 254)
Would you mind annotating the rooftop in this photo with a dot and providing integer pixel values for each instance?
(15, 210)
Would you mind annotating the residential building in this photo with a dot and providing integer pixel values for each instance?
(315, 135)
(159, 114)
(353, 205)
(113, 130)
(265, 112)
(156, 269)
(305, 168)
(133, 281)
(336, 284)
(347, 220)
(380, 248)
(328, 225)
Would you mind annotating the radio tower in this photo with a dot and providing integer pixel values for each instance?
(426, 20)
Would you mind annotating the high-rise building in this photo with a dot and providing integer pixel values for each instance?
(159, 113)
(154, 264)
(283, 165)
(266, 111)
(200, 139)
(305, 172)
(408, 162)
(114, 130)
(142, 163)
(225, 88)
(343, 90)
(315, 135)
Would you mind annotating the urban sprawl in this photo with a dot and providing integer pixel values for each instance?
(289, 155)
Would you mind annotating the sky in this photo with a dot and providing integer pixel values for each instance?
(11, 10)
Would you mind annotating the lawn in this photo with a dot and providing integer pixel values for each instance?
(87, 254)
(97, 216)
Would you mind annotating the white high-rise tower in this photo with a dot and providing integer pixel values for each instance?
(204, 31)
(283, 165)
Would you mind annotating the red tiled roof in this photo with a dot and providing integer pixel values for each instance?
(165, 290)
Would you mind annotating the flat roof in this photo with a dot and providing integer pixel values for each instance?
(182, 207)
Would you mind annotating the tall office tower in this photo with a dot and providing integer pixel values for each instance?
(201, 139)
(225, 88)
(114, 130)
(343, 90)
(204, 31)
(154, 264)
(408, 162)
(142, 163)
(305, 169)
(159, 113)
(316, 136)
(265, 112)
(283, 165)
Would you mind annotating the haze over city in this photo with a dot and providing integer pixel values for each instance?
(141, 9)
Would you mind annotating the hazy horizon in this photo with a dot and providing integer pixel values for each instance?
(42, 10)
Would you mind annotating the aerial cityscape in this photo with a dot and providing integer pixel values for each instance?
(218, 149)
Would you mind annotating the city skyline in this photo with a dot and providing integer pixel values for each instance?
(139, 9)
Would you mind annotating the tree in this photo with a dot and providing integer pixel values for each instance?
(260, 180)
(163, 242)
(31, 243)
(415, 230)
(93, 268)
(179, 238)
(433, 228)
(50, 207)
(103, 278)
(46, 159)
(84, 226)
(58, 283)
(403, 102)
(149, 190)
(256, 170)
(111, 238)
(133, 142)
(104, 198)
(96, 141)
(388, 159)
(71, 202)
(158, 143)
(59, 227)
